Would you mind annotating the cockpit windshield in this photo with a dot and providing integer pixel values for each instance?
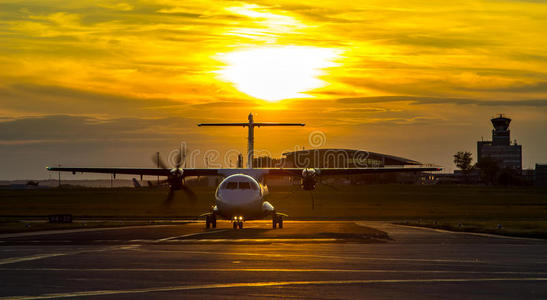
(231, 185)
(242, 185)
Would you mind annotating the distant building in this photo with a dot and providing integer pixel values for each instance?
(268, 162)
(541, 175)
(528, 176)
(343, 158)
(500, 148)
(351, 158)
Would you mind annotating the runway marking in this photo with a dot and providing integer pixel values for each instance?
(49, 255)
(267, 240)
(269, 270)
(189, 235)
(62, 231)
(27, 258)
(283, 255)
(180, 240)
(263, 284)
(128, 247)
(499, 236)
(103, 241)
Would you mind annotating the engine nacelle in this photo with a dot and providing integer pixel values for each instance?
(309, 179)
(175, 179)
(176, 171)
(267, 207)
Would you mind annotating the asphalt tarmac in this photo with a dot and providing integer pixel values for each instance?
(305, 260)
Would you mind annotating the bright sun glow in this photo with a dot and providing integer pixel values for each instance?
(276, 73)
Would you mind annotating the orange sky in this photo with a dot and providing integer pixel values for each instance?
(101, 83)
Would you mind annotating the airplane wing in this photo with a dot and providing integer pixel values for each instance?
(353, 171)
(350, 171)
(132, 171)
(137, 171)
(256, 172)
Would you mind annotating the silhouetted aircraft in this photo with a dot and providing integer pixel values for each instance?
(240, 195)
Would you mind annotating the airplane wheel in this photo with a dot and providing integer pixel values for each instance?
(214, 221)
(207, 222)
(280, 222)
(240, 225)
(235, 225)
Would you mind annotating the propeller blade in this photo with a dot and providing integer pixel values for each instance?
(183, 154)
(189, 192)
(159, 183)
(157, 160)
(170, 196)
(330, 186)
(178, 159)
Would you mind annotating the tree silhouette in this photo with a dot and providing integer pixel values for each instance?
(463, 161)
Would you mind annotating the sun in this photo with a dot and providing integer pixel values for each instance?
(277, 73)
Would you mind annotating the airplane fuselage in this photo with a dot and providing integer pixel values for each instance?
(241, 195)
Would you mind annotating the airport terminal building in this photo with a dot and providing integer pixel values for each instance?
(332, 158)
(343, 158)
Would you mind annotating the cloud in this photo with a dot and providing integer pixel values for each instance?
(440, 41)
(25, 98)
(80, 77)
(438, 100)
(360, 110)
(77, 129)
(539, 87)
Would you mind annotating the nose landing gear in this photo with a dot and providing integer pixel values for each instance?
(237, 222)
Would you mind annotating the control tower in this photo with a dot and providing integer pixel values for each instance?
(500, 147)
(501, 135)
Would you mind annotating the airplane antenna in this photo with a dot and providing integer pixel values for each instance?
(250, 134)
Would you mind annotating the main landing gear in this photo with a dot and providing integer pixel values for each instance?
(211, 221)
(277, 220)
(237, 222)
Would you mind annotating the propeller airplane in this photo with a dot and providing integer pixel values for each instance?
(240, 195)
